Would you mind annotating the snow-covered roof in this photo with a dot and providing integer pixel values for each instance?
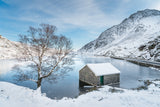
(100, 69)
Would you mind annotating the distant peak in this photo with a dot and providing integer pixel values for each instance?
(144, 13)
(1, 37)
(149, 12)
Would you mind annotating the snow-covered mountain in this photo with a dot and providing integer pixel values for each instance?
(131, 38)
(8, 49)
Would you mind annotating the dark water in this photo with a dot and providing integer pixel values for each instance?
(68, 86)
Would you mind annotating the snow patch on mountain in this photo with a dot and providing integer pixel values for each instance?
(8, 49)
(124, 40)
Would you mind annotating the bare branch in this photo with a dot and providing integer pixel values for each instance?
(53, 68)
(46, 50)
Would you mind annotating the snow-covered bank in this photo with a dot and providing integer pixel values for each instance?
(17, 96)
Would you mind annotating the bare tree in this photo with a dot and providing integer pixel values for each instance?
(46, 51)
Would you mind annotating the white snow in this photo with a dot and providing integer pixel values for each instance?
(155, 68)
(124, 39)
(8, 49)
(100, 69)
(17, 96)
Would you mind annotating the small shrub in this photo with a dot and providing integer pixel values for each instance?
(147, 83)
(114, 90)
(142, 88)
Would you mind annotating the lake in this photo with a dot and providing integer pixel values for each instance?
(68, 85)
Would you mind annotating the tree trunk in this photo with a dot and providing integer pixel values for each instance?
(39, 82)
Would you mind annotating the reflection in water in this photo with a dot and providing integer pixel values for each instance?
(5, 66)
(68, 86)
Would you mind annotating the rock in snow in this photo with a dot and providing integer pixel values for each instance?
(126, 38)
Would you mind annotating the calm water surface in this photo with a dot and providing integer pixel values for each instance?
(68, 86)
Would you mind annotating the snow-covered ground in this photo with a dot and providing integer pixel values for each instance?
(16, 96)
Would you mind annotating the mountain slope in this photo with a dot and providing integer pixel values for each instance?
(8, 49)
(125, 39)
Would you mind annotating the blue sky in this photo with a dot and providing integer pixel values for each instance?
(80, 20)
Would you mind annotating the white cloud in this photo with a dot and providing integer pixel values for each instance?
(156, 5)
(68, 14)
(90, 16)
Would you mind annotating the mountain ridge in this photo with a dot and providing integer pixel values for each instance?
(138, 29)
(8, 49)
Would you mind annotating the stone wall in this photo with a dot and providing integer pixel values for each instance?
(114, 78)
(86, 75)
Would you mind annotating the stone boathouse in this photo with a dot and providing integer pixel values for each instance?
(98, 74)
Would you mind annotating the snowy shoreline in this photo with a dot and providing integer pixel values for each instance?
(143, 62)
(18, 96)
